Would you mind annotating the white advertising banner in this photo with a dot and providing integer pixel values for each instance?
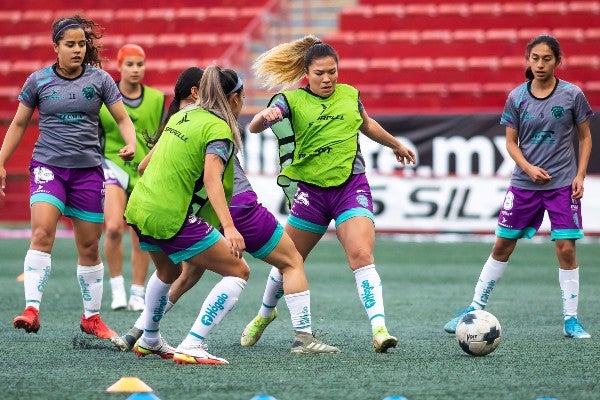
(437, 205)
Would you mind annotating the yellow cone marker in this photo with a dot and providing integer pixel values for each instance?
(129, 384)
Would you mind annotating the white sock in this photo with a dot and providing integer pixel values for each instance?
(117, 284)
(370, 293)
(91, 285)
(569, 286)
(273, 292)
(138, 290)
(299, 306)
(139, 323)
(36, 271)
(490, 274)
(221, 299)
(157, 296)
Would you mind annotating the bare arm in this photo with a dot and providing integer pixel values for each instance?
(126, 128)
(144, 163)
(538, 175)
(213, 169)
(374, 131)
(585, 151)
(265, 119)
(13, 137)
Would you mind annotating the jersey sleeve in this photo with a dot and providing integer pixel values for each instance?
(222, 148)
(581, 108)
(110, 92)
(29, 93)
(510, 114)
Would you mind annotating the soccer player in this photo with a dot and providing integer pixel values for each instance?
(66, 171)
(145, 106)
(264, 238)
(541, 116)
(323, 171)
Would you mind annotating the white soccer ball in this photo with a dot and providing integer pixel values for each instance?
(478, 333)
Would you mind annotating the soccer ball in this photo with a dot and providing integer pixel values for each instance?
(478, 333)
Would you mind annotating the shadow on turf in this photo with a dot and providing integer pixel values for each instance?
(90, 343)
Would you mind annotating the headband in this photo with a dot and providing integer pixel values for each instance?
(237, 87)
(129, 50)
(68, 24)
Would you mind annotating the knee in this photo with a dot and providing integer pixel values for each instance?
(42, 238)
(566, 253)
(243, 271)
(360, 256)
(114, 231)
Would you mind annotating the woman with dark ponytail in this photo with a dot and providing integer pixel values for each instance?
(541, 117)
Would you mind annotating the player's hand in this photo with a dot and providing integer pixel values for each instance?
(271, 116)
(404, 155)
(236, 241)
(577, 188)
(539, 175)
(128, 152)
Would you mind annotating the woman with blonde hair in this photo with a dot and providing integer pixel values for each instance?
(322, 168)
(264, 238)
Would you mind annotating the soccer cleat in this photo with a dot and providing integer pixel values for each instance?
(255, 329)
(127, 341)
(306, 343)
(29, 320)
(196, 355)
(162, 348)
(95, 326)
(119, 299)
(382, 340)
(450, 326)
(136, 303)
(575, 330)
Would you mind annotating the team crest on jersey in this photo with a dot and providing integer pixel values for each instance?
(558, 112)
(42, 175)
(88, 92)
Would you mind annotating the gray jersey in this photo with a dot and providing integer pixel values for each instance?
(68, 115)
(241, 183)
(546, 130)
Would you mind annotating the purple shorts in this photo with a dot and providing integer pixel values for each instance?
(260, 229)
(523, 212)
(193, 238)
(76, 192)
(314, 207)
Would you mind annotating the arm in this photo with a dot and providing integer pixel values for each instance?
(265, 119)
(144, 163)
(538, 175)
(376, 133)
(126, 128)
(13, 137)
(213, 169)
(585, 151)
